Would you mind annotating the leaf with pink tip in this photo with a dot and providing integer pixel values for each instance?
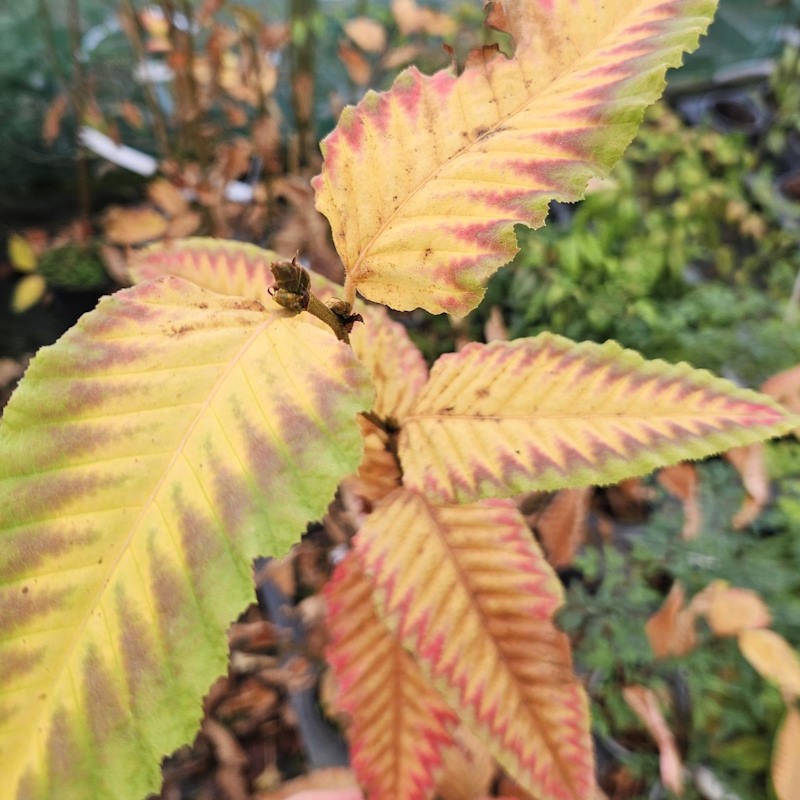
(472, 597)
(146, 458)
(399, 724)
(546, 413)
(424, 183)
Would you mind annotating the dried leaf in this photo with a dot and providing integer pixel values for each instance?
(750, 462)
(167, 197)
(786, 757)
(773, 658)
(562, 525)
(732, 610)
(646, 706)
(367, 33)
(359, 70)
(671, 630)
(681, 481)
(495, 329)
(184, 224)
(129, 226)
(53, 117)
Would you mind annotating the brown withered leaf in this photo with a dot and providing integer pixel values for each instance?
(671, 630)
(681, 481)
(379, 473)
(51, 125)
(731, 610)
(785, 761)
(413, 18)
(400, 56)
(184, 224)
(785, 388)
(750, 462)
(366, 33)
(645, 705)
(128, 226)
(495, 328)
(359, 70)
(167, 197)
(562, 525)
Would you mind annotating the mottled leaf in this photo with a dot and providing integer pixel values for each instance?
(546, 413)
(472, 597)
(146, 458)
(424, 183)
(399, 724)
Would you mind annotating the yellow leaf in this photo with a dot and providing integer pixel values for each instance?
(786, 757)
(546, 413)
(21, 254)
(773, 658)
(148, 456)
(471, 596)
(732, 610)
(28, 291)
(424, 183)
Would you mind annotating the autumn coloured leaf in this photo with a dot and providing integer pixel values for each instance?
(731, 609)
(562, 525)
(397, 366)
(399, 724)
(750, 463)
(379, 472)
(424, 183)
(773, 658)
(544, 413)
(785, 763)
(681, 481)
(646, 706)
(130, 226)
(148, 456)
(671, 630)
(226, 267)
(471, 596)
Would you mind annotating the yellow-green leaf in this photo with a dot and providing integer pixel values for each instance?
(547, 413)
(472, 597)
(28, 292)
(399, 724)
(424, 183)
(21, 254)
(146, 458)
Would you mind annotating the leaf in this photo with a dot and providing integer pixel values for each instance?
(681, 480)
(28, 291)
(359, 70)
(785, 763)
(367, 33)
(21, 253)
(399, 724)
(133, 225)
(167, 197)
(644, 702)
(424, 183)
(671, 630)
(731, 610)
(471, 596)
(750, 463)
(562, 525)
(397, 366)
(546, 413)
(379, 473)
(773, 658)
(467, 769)
(225, 267)
(191, 432)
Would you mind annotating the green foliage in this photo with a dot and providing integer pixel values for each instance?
(673, 255)
(73, 266)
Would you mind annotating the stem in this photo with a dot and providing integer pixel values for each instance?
(78, 101)
(321, 311)
(157, 116)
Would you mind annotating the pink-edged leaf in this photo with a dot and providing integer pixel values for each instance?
(472, 597)
(424, 183)
(546, 413)
(399, 724)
